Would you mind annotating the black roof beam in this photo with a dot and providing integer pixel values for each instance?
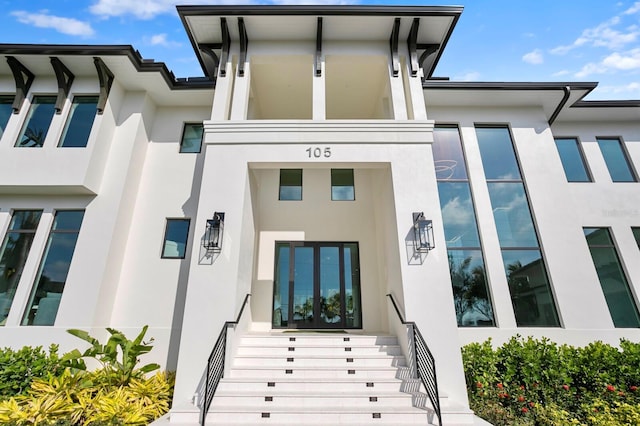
(105, 78)
(23, 78)
(412, 45)
(210, 59)
(65, 79)
(427, 50)
(244, 44)
(393, 43)
(319, 48)
(226, 45)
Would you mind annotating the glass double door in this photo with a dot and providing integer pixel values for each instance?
(316, 285)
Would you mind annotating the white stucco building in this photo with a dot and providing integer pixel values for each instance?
(318, 132)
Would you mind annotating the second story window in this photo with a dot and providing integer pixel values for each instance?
(176, 235)
(6, 108)
(572, 159)
(290, 185)
(35, 128)
(342, 188)
(617, 160)
(191, 138)
(79, 122)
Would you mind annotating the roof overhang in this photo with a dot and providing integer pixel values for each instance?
(339, 23)
(560, 101)
(129, 68)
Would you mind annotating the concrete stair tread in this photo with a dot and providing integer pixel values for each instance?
(327, 356)
(311, 380)
(365, 393)
(389, 409)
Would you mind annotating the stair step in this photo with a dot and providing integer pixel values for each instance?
(319, 339)
(297, 349)
(328, 400)
(314, 372)
(311, 385)
(338, 360)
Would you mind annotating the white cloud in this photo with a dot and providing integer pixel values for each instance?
(561, 73)
(161, 40)
(617, 61)
(534, 57)
(628, 89)
(604, 35)
(62, 25)
(468, 76)
(633, 9)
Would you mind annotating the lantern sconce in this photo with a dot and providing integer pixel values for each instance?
(212, 240)
(422, 233)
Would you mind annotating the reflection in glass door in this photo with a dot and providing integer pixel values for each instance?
(317, 285)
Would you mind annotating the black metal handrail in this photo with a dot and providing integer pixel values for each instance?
(215, 364)
(425, 363)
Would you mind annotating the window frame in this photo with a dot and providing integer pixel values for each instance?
(301, 186)
(353, 184)
(583, 159)
(6, 97)
(184, 130)
(164, 238)
(625, 154)
(70, 115)
(28, 118)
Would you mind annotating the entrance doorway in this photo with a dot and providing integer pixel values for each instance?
(317, 285)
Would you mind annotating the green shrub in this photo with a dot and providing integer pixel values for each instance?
(19, 367)
(549, 384)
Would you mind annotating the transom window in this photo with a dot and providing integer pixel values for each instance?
(79, 122)
(35, 128)
(6, 109)
(617, 160)
(575, 168)
(290, 185)
(342, 187)
(191, 141)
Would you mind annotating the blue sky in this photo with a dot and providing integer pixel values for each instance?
(494, 40)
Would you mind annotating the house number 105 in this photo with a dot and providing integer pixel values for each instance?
(319, 152)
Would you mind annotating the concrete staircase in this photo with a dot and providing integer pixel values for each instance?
(324, 379)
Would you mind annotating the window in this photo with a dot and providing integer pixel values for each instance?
(80, 121)
(13, 255)
(191, 137)
(54, 267)
(342, 188)
(636, 235)
(466, 265)
(622, 307)
(175, 238)
(6, 109)
(36, 126)
(290, 184)
(575, 168)
(524, 266)
(618, 163)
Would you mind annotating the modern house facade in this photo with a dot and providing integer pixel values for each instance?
(319, 166)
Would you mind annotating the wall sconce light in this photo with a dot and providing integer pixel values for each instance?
(422, 233)
(213, 234)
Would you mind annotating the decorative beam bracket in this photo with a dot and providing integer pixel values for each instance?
(412, 44)
(244, 43)
(393, 43)
(319, 48)
(226, 45)
(23, 78)
(65, 79)
(105, 78)
(429, 49)
(210, 59)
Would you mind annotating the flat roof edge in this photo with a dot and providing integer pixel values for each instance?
(141, 64)
(326, 10)
(500, 85)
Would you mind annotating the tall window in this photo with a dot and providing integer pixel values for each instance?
(191, 137)
(35, 128)
(176, 235)
(80, 121)
(622, 306)
(575, 168)
(618, 163)
(524, 266)
(470, 289)
(54, 267)
(636, 235)
(290, 185)
(6, 109)
(342, 188)
(13, 255)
